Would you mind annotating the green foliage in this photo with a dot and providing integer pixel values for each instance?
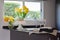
(9, 9)
(21, 15)
(33, 14)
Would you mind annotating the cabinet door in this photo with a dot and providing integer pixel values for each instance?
(41, 36)
(18, 35)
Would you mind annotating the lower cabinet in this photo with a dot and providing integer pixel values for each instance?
(19, 35)
(58, 35)
(41, 36)
(52, 37)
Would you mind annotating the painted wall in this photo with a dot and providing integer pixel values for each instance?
(4, 34)
(49, 12)
(1, 12)
(58, 14)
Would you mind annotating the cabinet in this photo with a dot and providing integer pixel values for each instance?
(20, 35)
(58, 35)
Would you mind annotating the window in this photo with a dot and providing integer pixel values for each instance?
(34, 13)
(9, 7)
(34, 10)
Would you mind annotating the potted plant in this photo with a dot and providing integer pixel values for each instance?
(21, 12)
(10, 21)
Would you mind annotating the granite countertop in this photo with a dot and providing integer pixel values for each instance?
(37, 31)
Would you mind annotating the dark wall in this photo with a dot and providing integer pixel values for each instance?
(58, 14)
(58, 1)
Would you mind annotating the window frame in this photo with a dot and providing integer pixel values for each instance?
(42, 11)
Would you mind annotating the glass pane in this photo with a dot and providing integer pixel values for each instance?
(9, 7)
(34, 10)
(33, 14)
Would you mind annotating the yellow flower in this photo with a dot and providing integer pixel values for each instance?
(17, 10)
(6, 18)
(11, 19)
(25, 9)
